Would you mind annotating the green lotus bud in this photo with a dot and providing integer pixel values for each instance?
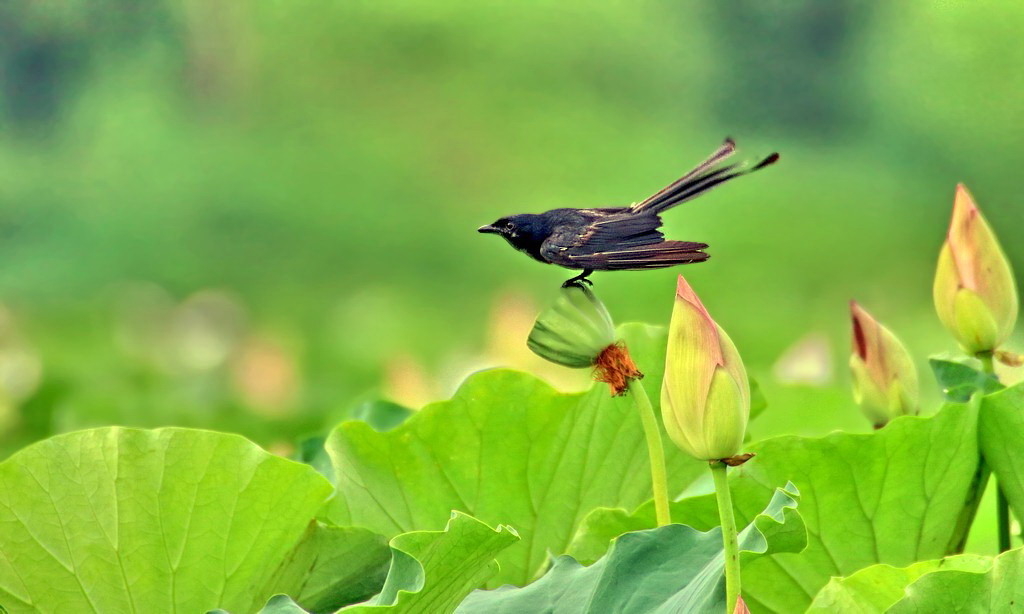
(884, 376)
(975, 293)
(574, 330)
(705, 396)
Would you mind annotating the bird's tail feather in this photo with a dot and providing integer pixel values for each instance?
(706, 175)
(657, 256)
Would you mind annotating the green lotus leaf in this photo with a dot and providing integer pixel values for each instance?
(431, 571)
(1001, 432)
(999, 588)
(876, 588)
(127, 520)
(333, 567)
(674, 569)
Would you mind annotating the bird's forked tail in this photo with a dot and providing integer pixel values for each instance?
(706, 175)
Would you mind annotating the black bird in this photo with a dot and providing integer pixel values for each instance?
(620, 238)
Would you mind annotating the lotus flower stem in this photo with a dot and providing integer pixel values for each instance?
(1003, 514)
(1002, 504)
(729, 538)
(987, 364)
(655, 451)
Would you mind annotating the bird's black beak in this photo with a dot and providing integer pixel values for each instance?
(488, 229)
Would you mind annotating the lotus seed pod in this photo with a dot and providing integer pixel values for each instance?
(574, 331)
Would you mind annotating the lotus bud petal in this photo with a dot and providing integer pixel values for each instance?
(975, 293)
(884, 377)
(705, 395)
(574, 331)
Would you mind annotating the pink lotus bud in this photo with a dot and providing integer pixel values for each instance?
(884, 376)
(705, 396)
(975, 293)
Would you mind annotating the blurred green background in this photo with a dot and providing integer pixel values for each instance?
(255, 216)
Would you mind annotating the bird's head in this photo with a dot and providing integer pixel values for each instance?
(524, 232)
(512, 227)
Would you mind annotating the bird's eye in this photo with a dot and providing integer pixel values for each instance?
(509, 225)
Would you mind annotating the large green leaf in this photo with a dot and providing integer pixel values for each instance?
(997, 590)
(126, 520)
(1001, 431)
(673, 569)
(874, 589)
(506, 449)
(600, 528)
(894, 496)
(431, 571)
(333, 567)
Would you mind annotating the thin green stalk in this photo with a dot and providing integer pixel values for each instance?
(655, 451)
(729, 539)
(1003, 520)
(987, 363)
(1002, 505)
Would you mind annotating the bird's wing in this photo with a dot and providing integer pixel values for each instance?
(618, 240)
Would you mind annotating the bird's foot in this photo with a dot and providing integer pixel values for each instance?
(579, 280)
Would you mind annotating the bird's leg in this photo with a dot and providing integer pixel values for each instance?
(580, 279)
